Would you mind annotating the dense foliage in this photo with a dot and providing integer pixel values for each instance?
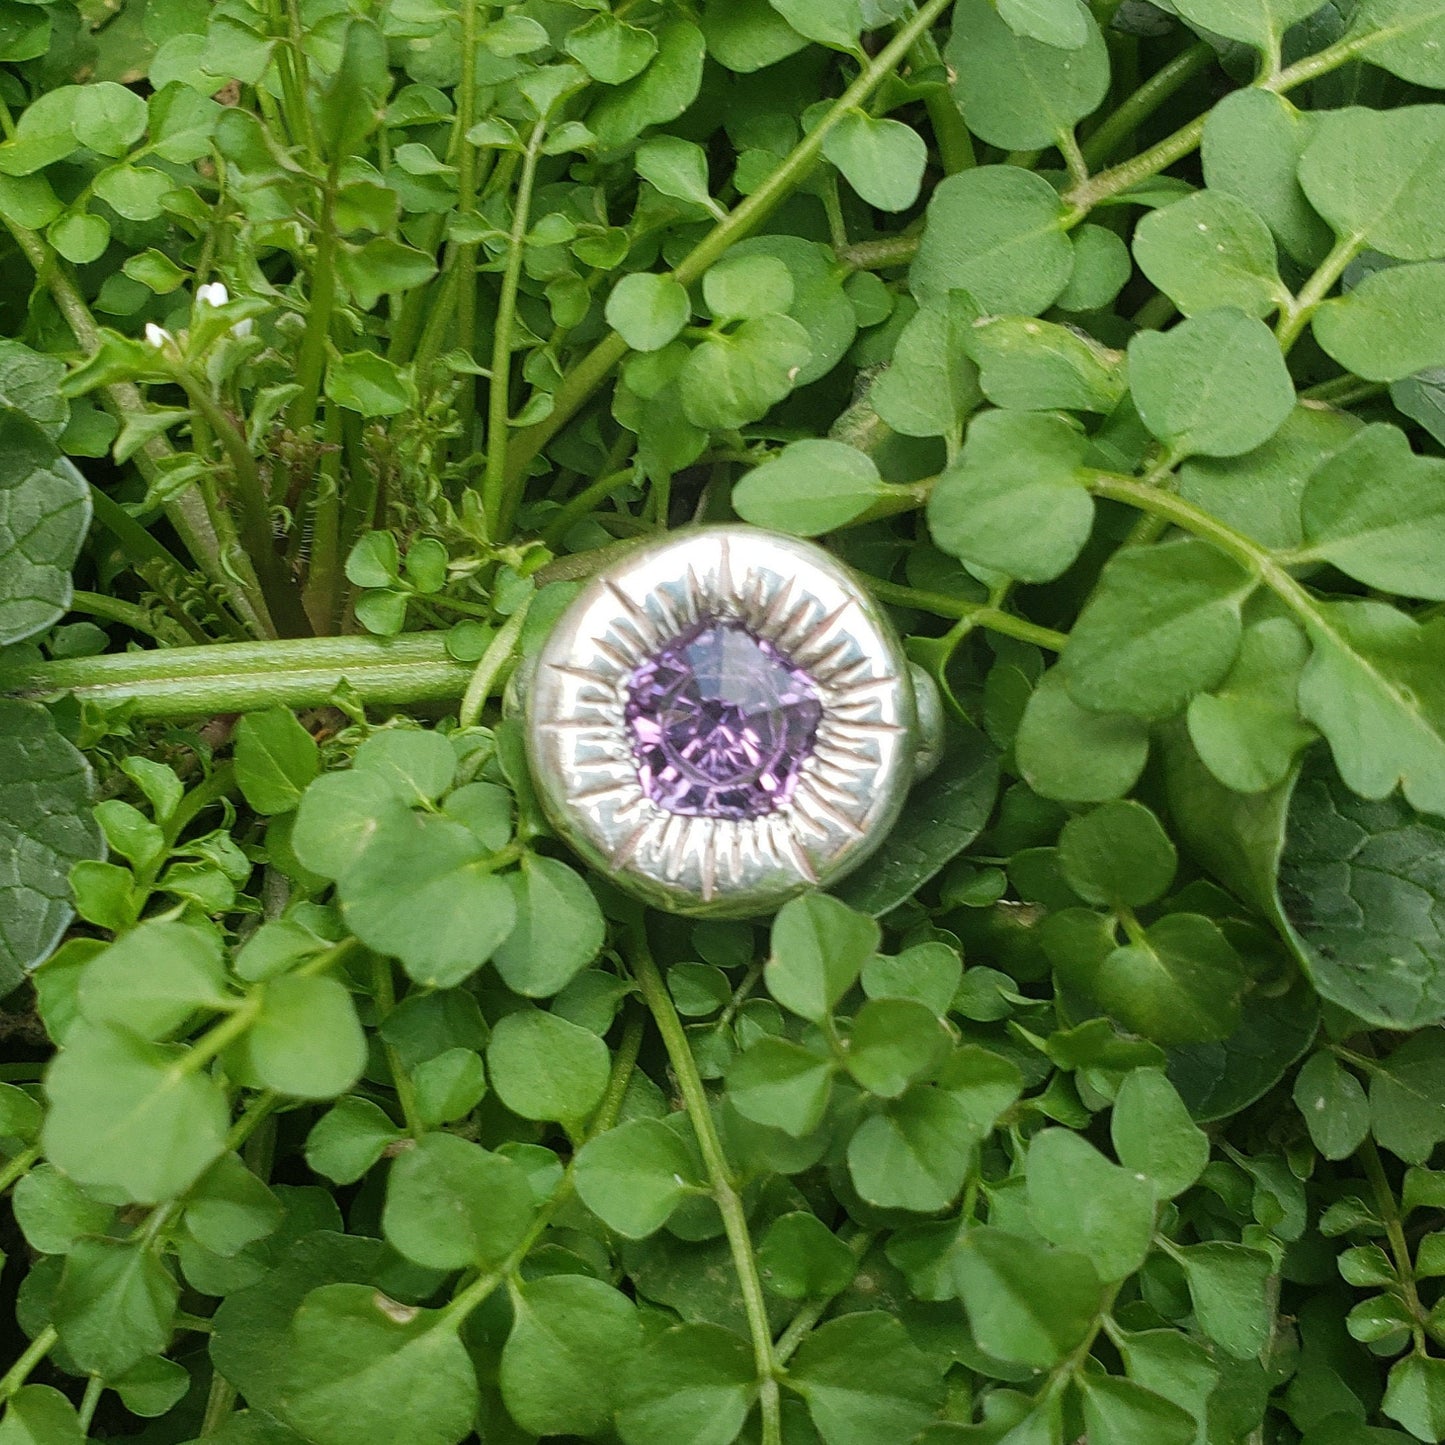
(1107, 343)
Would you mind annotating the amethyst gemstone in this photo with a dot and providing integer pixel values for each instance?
(721, 722)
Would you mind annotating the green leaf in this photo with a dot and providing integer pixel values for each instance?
(800, 1257)
(1251, 149)
(275, 760)
(154, 978)
(658, 94)
(938, 822)
(418, 866)
(1180, 983)
(1416, 1395)
(928, 973)
(448, 1086)
(559, 928)
(610, 50)
(230, 1207)
(693, 1382)
(1117, 856)
(916, 1153)
(1162, 625)
(1387, 327)
(1101, 267)
(1015, 500)
(307, 1040)
(865, 1381)
(893, 1043)
(1067, 752)
(30, 383)
(1385, 963)
(570, 1340)
(1228, 1284)
(738, 287)
(1402, 36)
(1021, 93)
(1027, 1303)
(809, 488)
(632, 1177)
(543, 1067)
(1248, 731)
(1373, 688)
(124, 1117)
(1377, 512)
(380, 267)
(931, 385)
(108, 117)
(1215, 384)
(883, 160)
(1029, 365)
(1153, 1134)
(819, 946)
(1333, 1106)
(115, 1305)
(781, 1084)
(1054, 22)
(732, 378)
(1080, 1201)
(44, 514)
(1407, 1098)
(362, 381)
(1125, 1413)
(53, 1211)
(153, 1387)
(747, 35)
(676, 167)
(451, 1204)
(365, 1370)
(998, 233)
(39, 1415)
(647, 310)
(1211, 250)
(1378, 178)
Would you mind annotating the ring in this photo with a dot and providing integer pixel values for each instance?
(724, 719)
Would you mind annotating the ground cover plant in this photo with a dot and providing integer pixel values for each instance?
(338, 1105)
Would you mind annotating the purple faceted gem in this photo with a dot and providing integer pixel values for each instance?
(721, 722)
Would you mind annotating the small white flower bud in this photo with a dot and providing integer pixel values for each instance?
(213, 293)
(157, 336)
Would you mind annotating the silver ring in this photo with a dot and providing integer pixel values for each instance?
(724, 719)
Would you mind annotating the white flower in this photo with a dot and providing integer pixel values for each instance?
(158, 336)
(244, 327)
(213, 293)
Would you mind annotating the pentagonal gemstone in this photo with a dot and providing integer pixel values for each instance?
(721, 722)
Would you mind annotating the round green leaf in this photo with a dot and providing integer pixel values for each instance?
(307, 1040)
(634, 1176)
(1390, 325)
(559, 928)
(543, 1067)
(1118, 856)
(883, 160)
(809, 488)
(647, 310)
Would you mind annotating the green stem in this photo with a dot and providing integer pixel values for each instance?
(219, 1403)
(217, 1039)
(1160, 87)
(803, 1323)
(593, 369)
(1295, 314)
(955, 144)
(980, 614)
(493, 660)
(724, 1191)
(19, 1372)
(501, 491)
(384, 993)
(584, 503)
(94, 1386)
(179, 682)
(311, 361)
(19, 1166)
(462, 257)
(113, 609)
(1395, 1234)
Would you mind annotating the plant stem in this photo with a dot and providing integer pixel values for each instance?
(462, 256)
(384, 993)
(1164, 83)
(219, 1403)
(113, 609)
(1295, 315)
(93, 1388)
(494, 659)
(501, 491)
(584, 502)
(1395, 1233)
(178, 682)
(593, 369)
(19, 1372)
(311, 361)
(724, 1191)
(19, 1166)
(981, 614)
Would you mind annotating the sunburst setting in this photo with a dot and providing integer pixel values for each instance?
(723, 720)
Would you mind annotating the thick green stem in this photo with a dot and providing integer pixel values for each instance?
(19, 1372)
(18, 1167)
(180, 682)
(494, 659)
(594, 368)
(501, 492)
(980, 614)
(1164, 83)
(311, 361)
(1295, 315)
(719, 1172)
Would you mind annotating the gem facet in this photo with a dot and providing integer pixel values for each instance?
(721, 722)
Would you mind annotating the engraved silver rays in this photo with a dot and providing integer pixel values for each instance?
(688, 650)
